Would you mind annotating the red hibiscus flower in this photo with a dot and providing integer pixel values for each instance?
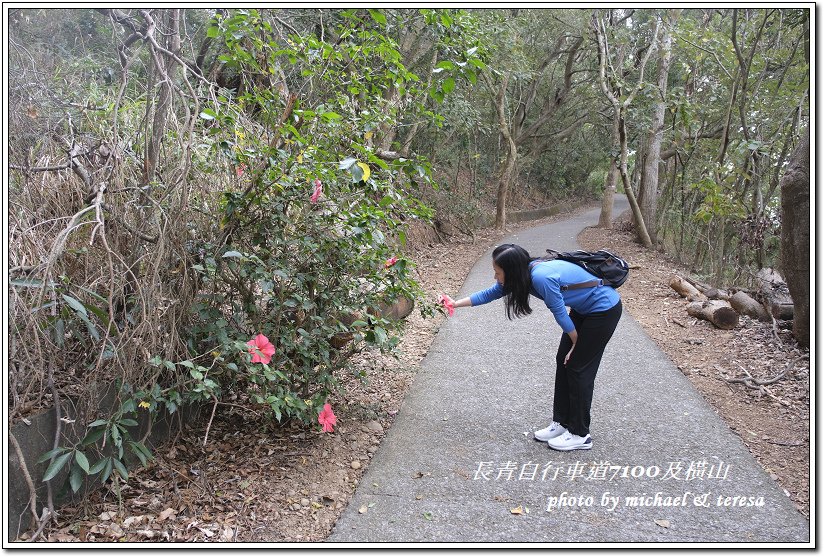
(327, 418)
(261, 349)
(317, 192)
(391, 261)
(447, 303)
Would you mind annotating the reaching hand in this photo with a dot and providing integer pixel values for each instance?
(448, 303)
(569, 355)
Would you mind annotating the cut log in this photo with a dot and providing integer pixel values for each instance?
(396, 311)
(400, 309)
(775, 294)
(784, 312)
(702, 288)
(716, 312)
(745, 305)
(685, 289)
(716, 294)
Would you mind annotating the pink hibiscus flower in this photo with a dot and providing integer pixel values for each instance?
(327, 418)
(391, 261)
(447, 303)
(261, 349)
(317, 192)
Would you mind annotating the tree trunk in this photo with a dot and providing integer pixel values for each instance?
(716, 312)
(640, 226)
(605, 220)
(164, 68)
(511, 154)
(795, 236)
(649, 194)
(503, 184)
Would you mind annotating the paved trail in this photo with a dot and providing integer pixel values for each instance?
(664, 467)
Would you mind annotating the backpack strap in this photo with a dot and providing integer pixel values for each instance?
(589, 284)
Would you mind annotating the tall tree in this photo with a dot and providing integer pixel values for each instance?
(648, 191)
(795, 236)
(535, 95)
(620, 108)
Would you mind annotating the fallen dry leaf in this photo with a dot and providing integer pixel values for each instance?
(517, 510)
(663, 523)
(363, 509)
(166, 514)
(129, 521)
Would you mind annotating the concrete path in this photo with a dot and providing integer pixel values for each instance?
(460, 464)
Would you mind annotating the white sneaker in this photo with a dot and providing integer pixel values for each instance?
(569, 441)
(550, 432)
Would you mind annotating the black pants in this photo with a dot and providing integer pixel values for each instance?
(575, 381)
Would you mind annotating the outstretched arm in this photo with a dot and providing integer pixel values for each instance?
(462, 303)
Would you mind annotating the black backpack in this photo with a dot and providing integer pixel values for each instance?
(605, 265)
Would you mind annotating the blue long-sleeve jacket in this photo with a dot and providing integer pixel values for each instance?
(547, 279)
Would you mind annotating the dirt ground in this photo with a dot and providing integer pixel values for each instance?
(253, 482)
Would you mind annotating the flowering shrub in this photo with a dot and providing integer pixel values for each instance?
(304, 258)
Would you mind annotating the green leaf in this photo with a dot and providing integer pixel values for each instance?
(56, 466)
(448, 85)
(50, 454)
(139, 454)
(380, 335)
(347, 163)
(76, 305)
(116, 437)
(232, 254)
(107, 470)
(121, 469)
(331, 116)
(97, 423)
(357, 173)
(127, 407)
(93, 437)
(128, 422)
(76, 478)
(81, 459)
(90, 327)
(378, 16)
(102, 315)
(208, 114)
(27, 283)
(212, 32)
(140, 447)
(98, 466)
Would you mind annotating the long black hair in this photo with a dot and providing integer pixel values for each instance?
(514, 262)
